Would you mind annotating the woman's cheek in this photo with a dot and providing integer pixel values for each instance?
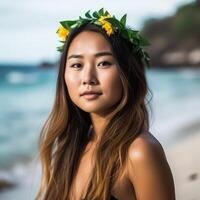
(113, 86)
(71, 85)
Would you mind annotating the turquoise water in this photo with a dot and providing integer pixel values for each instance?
(27, 94)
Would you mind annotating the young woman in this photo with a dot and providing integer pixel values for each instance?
(96, 143)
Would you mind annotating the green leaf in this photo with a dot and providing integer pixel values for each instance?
(114, 22)
(87, 14)
(133, 33)
(101, 12)
(125, 34)
(60, 48)
(97, 23)
(123, 20)
(65, 25)
(68, 24)
(79, 23)
(83, 19)
(107, 13)
(144, 41)
(95, 14)
(74, 25)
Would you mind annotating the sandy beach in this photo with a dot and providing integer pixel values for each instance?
(184, 161)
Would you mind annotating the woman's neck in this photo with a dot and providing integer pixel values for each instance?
(98, 125)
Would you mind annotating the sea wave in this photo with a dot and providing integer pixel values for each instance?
(16, 77)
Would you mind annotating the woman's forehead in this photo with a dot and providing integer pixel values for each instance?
(89, 42)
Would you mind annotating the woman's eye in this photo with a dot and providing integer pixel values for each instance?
(104, 63)
(76, 65)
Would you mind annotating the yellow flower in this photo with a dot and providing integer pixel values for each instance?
(63, 33)
(108, 28)
(101, 19)
(106, 25)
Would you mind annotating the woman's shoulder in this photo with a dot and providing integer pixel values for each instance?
(148, 168)
(145, 146)
(145, 154)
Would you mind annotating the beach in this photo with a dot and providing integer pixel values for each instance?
(27, 95)
(184, 161)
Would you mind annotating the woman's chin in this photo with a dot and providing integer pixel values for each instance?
(101, 111)
(91, 110)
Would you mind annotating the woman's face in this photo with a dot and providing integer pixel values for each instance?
(91, 67)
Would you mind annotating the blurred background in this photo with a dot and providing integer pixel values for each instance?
(28, 70)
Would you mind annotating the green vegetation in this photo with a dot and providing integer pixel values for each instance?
(180, 32)
(185, 23)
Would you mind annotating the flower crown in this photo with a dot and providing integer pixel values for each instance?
(111, 25)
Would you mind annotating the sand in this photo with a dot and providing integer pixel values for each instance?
(184, 160)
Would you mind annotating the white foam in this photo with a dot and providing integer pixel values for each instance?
(16, 77)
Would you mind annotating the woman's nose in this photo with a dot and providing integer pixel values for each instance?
(89, 76)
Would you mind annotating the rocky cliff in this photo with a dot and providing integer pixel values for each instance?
(175, 40)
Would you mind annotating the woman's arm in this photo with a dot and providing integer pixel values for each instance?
(149, 171)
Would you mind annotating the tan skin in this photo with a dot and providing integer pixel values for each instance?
(146, 174)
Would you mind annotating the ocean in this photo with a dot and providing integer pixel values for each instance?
(27, 95)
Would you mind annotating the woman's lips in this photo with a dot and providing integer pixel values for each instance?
(91, 96)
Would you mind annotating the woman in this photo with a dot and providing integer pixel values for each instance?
(95, 144)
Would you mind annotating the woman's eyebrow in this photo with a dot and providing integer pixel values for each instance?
(103, 53)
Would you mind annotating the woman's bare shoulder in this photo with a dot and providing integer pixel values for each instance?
(144, 145)
(148, 169)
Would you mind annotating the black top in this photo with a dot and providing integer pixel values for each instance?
(112, 198)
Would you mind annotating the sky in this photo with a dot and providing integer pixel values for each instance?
(28, 28)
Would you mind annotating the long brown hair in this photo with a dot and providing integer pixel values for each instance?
(65, 133)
